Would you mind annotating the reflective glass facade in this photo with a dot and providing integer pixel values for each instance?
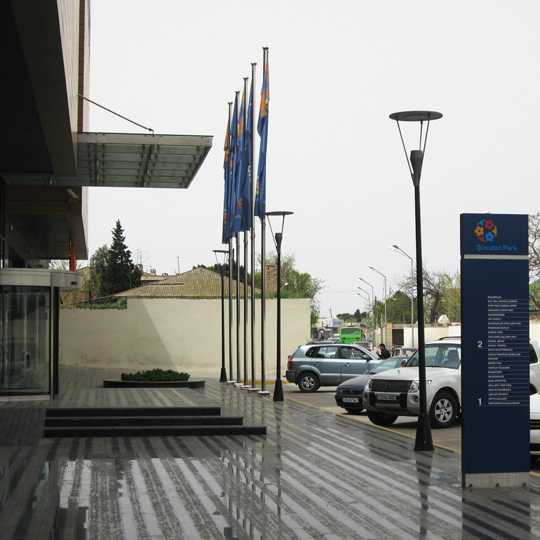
(25, 338)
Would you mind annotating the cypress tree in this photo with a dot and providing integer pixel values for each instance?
(120, 273)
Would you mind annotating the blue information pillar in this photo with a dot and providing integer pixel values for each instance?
(495, 350)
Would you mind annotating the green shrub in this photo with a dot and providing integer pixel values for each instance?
(156, 375)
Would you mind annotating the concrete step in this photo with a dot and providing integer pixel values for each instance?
(87, 421)
(56, 412)
(149, 431)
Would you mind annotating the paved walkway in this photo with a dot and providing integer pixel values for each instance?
(315, 475)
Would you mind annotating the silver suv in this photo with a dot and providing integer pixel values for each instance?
(328, 364)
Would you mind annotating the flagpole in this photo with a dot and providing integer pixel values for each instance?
(246, 314)
(263, 305)
(231, 257)
(252, 232)
(238, 372)
(263, 391)
(245, 235)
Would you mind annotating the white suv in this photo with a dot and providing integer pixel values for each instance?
(395, 393)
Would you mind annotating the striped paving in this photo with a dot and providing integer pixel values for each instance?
(315, 475)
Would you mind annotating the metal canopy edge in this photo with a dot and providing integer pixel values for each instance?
(129, 160)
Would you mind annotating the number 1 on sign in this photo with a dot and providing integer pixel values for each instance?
(479, 401)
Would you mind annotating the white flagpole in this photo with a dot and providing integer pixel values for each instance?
(263, 279)
(252, 233)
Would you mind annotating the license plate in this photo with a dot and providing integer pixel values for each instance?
(351, 400)
(386, 397)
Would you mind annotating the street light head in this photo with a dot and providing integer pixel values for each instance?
(414, 162)
(278, 235)
(415, 116)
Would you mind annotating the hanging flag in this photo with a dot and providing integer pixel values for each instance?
(232, 195)
(226, 179)
(262, 129)
(240, 165)
(247, 203)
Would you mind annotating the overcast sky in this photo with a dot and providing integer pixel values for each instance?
(337, 69)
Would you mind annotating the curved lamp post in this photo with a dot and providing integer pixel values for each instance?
(374, 324)
(278, 237)
(224, 253)
(384, 339)
(397, 249)
(414, 164)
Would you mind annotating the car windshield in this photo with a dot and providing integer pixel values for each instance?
(387, 364)
(447, 355)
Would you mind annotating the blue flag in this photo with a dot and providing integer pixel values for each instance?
(231, 199)
(226, 183)
(240, 166)
(262, 128)
(247, 202)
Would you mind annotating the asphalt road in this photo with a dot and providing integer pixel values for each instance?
(323, 399)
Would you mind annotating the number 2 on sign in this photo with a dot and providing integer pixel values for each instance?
(480, 344)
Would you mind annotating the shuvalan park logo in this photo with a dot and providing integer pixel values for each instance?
(486, 230)
(487, 234)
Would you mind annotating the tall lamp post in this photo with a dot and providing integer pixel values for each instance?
(385, 298)
(224, 253)
(397, 249)
(414, 164)
(364, 294)
(372, 305)
(278, 237)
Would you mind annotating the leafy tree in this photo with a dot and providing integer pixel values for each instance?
(97, 268)
(534, 260)
(441, 294)
(295, 284)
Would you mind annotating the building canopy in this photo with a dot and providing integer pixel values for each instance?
(129, 160)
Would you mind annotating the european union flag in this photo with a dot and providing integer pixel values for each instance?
(226, 178)
(262, 128)
(240, 173)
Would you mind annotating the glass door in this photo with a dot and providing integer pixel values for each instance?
(25, 313)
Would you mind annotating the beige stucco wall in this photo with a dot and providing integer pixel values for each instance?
(172, 333)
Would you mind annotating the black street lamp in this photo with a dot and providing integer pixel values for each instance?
(414, 163)
(278, 237)
(217, 252)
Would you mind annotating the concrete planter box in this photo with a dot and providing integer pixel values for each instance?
(194, 383)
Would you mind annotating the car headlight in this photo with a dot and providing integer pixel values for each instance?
(415, 386)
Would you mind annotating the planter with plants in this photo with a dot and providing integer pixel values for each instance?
(155, 378)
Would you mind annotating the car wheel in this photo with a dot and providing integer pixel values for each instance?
(444, 410)
(381, 419)
(308, 382)
(353, 411)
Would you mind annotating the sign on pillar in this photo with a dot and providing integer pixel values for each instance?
(495, 350)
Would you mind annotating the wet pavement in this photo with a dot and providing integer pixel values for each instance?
(315, 475)
(323, 399)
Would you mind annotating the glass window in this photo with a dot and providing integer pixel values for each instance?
(328, 352)
(24, 338)
(361, 355)
(446, 355)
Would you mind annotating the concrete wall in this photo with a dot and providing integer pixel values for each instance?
(173, 333)
(435, 332)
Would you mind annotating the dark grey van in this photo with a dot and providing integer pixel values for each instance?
(328, 364)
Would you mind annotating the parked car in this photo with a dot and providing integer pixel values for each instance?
(395, 392)
(349, 394)
(315, 365)
(535, 425)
